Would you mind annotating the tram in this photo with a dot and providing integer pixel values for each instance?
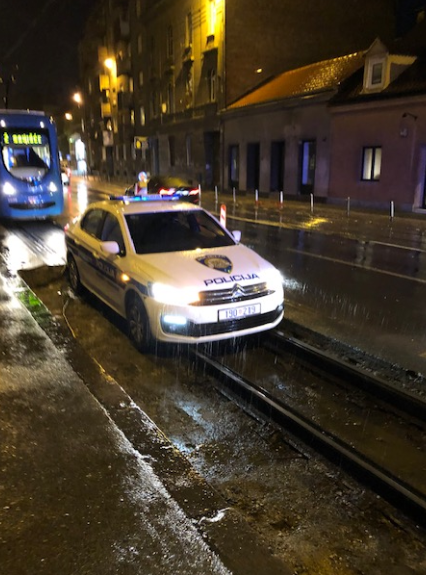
(30, 173)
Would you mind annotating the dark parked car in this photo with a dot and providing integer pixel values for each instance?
(169, 186)
(173, 186)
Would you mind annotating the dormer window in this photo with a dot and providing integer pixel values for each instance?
(377, 73)
(382, 68)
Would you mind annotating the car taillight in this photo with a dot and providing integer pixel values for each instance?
(193, 192)
(166, 192)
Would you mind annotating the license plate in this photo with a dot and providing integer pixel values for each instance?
(239, 312)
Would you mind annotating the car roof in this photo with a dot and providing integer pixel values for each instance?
(129, 206)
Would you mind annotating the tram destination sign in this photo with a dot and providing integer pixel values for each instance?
(20, 138)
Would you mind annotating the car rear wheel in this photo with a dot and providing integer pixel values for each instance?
(138, 325)
(74, 276)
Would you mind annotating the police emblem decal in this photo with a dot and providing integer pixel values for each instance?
(220, 263)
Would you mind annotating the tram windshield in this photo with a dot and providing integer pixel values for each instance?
(26, 153)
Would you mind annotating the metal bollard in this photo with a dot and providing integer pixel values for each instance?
(215, 195)
(348, 207)
(392, 210)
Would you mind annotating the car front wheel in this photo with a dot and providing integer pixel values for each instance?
(138, 325)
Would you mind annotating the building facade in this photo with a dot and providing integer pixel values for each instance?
(176, 65)
(378, 127)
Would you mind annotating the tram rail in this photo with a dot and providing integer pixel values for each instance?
(257, 400)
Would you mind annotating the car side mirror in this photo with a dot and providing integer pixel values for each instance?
(237, 235)
(110, 248)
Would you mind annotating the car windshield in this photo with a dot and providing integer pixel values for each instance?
(175, 231)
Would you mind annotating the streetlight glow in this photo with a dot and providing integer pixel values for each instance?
(109, 63)
(77, 98)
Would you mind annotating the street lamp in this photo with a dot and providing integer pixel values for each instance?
(78, 99)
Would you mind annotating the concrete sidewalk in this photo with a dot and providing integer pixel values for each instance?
(89, 485)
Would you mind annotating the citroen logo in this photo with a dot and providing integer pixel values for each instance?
(237, 290)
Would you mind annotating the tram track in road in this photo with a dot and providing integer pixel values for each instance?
(401, 414)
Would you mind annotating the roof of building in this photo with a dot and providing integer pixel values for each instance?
(311, 79)
(411, 82)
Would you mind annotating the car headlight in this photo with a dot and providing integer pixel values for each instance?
(274, 279)
(178, 296)
(8, 189)
(53, 187)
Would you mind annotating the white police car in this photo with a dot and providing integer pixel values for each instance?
(172, 271)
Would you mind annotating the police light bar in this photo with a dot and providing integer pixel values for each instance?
(146, 198)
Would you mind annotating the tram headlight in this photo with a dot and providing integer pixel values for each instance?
(8, 189)
(53, 187)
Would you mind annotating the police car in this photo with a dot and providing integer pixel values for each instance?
(173, 271)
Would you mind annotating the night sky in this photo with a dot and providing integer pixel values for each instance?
(41, 38)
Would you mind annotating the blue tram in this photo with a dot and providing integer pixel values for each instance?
(30, 173)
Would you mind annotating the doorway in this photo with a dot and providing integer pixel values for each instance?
(253, 166)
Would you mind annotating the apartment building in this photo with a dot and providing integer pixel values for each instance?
(158, 74)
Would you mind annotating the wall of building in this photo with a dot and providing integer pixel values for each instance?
(403, 140)
(291, 125)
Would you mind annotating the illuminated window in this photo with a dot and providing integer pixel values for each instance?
(142, 115)
(188, 29)
(371, 163)
(211, 13)
(141, 79)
